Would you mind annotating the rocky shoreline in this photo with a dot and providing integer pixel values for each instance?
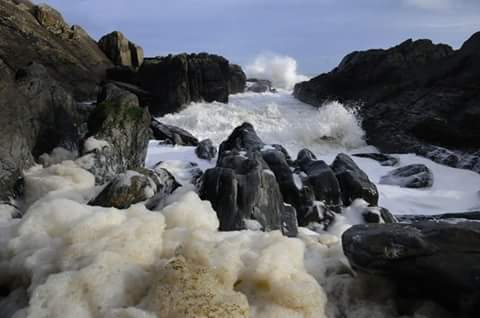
(416, 97)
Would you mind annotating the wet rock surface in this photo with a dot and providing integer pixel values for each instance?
(426, 260)
(415, 97)
(411, 176)
(354, 183)
(123, 127)
(172, 135)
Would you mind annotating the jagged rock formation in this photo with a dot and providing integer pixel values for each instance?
(39, 34)
(120, 50)
(175, 81)
(166, 84)
(415, 97)
(255, 181)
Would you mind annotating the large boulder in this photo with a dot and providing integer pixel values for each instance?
(132, 187)
(414, 97)
(37, 115)
(426, 260)
(242, 189)
(40, 33)
(124, 129)
(177, 80)
(411, 176)
(120, 50)
(354, 183)
(124, 190)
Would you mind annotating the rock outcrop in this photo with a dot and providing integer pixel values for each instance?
(166, 84)
(175, 81)
(415, 97)
(39, 34)
(122, 129)
(120, 50)
(37, 115)
(426, 260)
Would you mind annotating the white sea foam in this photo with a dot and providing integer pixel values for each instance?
(280, 70)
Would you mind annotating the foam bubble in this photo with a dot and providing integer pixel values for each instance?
(280, 70)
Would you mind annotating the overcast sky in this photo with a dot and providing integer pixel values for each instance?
(317, 33)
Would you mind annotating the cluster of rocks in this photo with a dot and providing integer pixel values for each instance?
(416, 97)
(253, 181)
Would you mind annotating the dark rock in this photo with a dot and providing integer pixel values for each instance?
(411, 176)
(412, 98)
(123, 74)
(458, 216)
(289, 221)
(304, 158)
(240, 189)
(206, 150)
(237, 79)
(118, 120)
(37, 116)
(324, 184)
(426, 260)
(383, 159)
(124, 190)
(371, 217)
(120, 50)
(387, 216)
(175, 81)
(259, 86)
(172, 135)
(70, 56)
(354, 183)
(243, 139)
(56, 116)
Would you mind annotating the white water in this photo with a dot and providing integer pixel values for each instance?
(74, 260)
(280, 118)
(280, 70)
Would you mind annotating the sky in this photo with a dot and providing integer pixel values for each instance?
(316, 33)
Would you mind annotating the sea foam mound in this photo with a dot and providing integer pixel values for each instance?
(65, 258)
(75, 260)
